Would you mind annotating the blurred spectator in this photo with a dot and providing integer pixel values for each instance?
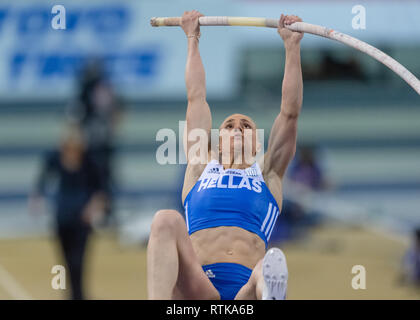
(411, 263)
(331, 68)
(306, 170)
(305, 174)
(97, 110)
(79, 201)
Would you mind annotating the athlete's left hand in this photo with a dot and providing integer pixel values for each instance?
(289, 36)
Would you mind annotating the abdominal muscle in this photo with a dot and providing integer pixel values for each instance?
(228, 244)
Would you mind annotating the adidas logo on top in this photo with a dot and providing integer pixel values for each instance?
(214, 170)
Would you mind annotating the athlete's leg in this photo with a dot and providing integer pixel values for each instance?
(173, 270)
(268, 279)
(252, 290)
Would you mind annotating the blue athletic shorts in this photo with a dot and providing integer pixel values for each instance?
(227, 278)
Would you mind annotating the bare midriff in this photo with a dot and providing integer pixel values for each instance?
(228, 244)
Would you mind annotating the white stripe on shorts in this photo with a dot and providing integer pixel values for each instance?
(186, 216)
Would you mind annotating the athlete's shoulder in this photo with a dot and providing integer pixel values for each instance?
(272, 180)
(194, 171)
(196, 166)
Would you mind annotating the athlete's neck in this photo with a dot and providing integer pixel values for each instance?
(235, 163)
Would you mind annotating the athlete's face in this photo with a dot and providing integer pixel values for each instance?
(238, 133)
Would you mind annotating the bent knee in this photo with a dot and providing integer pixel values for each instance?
(166, 220)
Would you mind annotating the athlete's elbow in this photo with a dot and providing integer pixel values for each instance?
(194, 97)
(290, 111)
(292, 102)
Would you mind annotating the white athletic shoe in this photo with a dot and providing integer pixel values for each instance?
(275, 275)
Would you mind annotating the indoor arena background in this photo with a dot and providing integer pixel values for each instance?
(360, 127)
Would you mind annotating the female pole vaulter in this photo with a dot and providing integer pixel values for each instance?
(231, 201)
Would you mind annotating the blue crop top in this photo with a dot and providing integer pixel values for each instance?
(231, 197)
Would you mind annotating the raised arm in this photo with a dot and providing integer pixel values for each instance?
(282, 141)
(198, 111)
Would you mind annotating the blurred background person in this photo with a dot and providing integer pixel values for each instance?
(305, 174)
(306, 170)
(411, 262)
(97, 110)
(79, 201)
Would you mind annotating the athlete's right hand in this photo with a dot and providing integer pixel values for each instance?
(287, 35)
(189, 23)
